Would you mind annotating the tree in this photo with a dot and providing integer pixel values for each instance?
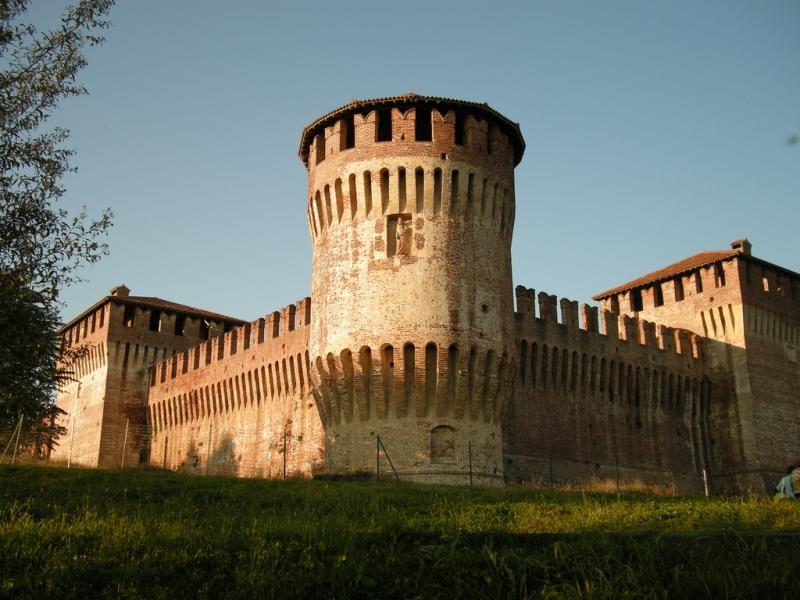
(42, 246)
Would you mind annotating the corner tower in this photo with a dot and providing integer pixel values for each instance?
(411, 212)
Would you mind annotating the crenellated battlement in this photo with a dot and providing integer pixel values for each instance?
(427, 383)
(603, 324)
(273, 330)
(412, 124)
(414, 350)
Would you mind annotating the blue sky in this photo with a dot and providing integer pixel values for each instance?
(654, 130)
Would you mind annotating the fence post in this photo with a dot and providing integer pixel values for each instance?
(705, 482)
(470, 462)
(71, 440)
(11, 437)
(124, 444)
(550, 467)
(388, 458)
(284, 453)
(616, 473)
(208, 448)
(672, 476)
(377, 458)
(19, 430)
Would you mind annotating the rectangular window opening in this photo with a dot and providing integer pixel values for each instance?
(679, 289)
(155, 320)
(204, 329)
(320, 146)
(180, 324)
(423, 130)
(658, 295)
(459, 128)
(636, 300)
(384, 125)
(401, 188)
(347, 133)
(129, 317)
(719, 275)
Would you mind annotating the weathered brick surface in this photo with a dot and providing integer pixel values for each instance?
(246, 392)
(588, 403)
(410, 336)
(748, 313)
(411, 347)
(109, 394)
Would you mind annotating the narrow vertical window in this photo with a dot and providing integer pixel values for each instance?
(679, 288)
(658, 295)
(719, 275)
(328, 210)
(636, 300)
(470, 192)
(423, 131)
(347, 133)
(367, 193)
(180, 324)
(698, 282)
(203, 329)
(409, 371)
(459, 128)
(155, 320)
(384, 125)
(353, 195)
(454, 190)
(437, 190)
(401, 188)
(320, 214)
(320, 146)
(431, 372)
(384, 180)
(339, 199)
(419, 176)
(128, 318)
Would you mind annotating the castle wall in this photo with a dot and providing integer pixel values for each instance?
(138, 344)
(749, 314)
(83, 399)
(414, 345)
(108, 396)
(247, 392)
(772, 332)
(586, 402)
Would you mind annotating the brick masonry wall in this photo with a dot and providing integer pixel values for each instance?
(109, 393)
(585, 402)
(83, 400)
(415, 348)
(750, 319)
(248, 392)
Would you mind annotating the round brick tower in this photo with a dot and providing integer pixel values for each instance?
(411, 211)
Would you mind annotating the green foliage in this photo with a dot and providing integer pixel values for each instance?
(41, 244)
(157, 535)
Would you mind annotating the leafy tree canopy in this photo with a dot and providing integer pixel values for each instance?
(41, 244)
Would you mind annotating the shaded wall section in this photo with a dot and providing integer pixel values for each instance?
(589, 400)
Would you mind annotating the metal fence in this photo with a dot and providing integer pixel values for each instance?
(265, 454)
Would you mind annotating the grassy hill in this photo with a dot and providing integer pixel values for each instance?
(131, 534)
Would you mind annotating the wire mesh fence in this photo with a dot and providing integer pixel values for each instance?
(234, 451)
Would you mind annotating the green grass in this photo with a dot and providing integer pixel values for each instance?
(85, 533)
